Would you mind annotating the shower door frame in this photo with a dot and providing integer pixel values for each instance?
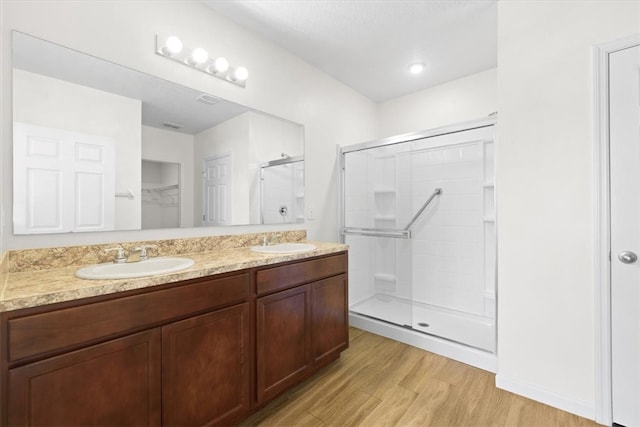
(399, 139)
(483, 359)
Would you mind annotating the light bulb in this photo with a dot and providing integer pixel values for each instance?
(241, 74)
(173, 45)
(220, 65)
(416, 68)
(199, 55)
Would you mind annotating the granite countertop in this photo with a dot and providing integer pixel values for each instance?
(35, 288)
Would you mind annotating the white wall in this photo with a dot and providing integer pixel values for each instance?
(58, 104)
(270, 137)
(160, 205)
(331, 113)
(233, 138)
(469, 98)
(544, 188)
(167, 146)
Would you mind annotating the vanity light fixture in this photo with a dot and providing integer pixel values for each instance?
(240, 74)
(199, 56)
(220, 65)
(172, 46)
(199, 59)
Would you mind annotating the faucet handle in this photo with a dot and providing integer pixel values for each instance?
(120, 256)
(143, 251)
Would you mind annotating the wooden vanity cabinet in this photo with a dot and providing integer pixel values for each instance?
(302, 321)
(283, 341)
(194, 394)
(178, 355)
(206, 351)
(329, 319)
(117, 383)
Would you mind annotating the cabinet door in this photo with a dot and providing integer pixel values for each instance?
(329, 319)
(283, 339)
(115, 383)
(205, 368)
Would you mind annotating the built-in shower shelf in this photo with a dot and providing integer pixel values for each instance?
(489, 219)
(385, 277)
(385, 217)
(383, 190)
(488, 185)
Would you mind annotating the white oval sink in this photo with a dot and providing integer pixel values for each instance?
(149, 267)
(284, 248)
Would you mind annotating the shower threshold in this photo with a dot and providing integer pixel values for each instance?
(463, 328)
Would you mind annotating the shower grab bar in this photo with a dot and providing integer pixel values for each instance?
(404, 233)
(377, 232)
(435, 193)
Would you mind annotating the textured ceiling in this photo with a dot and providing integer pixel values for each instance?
(368, 44)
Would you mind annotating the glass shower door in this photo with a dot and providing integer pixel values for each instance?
(430, 270)
(380, 255)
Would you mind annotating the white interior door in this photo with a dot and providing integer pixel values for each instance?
(65, 180)
(624, 87)
(217, 191)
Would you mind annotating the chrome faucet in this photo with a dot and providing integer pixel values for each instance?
(120, 256)
(135, 255)
(143, 251)
(274, 240)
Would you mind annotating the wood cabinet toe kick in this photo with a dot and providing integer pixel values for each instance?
(207, 351)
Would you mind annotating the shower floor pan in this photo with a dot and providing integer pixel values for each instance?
(463, 328)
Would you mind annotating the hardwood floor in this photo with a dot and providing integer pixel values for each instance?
(381, 382)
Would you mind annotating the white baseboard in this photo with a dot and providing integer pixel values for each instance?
(582, 409)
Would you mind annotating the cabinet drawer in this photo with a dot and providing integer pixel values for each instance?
(295, 273)
(53, 330)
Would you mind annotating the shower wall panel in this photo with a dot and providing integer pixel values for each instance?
(283, 193)
(441, 279)
(448, 251)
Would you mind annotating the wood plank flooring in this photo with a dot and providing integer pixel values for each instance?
(381, 382)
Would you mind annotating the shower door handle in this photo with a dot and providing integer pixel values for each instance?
(627, 257)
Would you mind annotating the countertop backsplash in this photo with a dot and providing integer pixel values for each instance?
(50, 258)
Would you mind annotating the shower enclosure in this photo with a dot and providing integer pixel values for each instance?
(418, 216)
(282, 190)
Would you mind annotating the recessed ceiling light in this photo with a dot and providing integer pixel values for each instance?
(416, 68)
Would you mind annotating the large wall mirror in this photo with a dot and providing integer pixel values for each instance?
(98, 146)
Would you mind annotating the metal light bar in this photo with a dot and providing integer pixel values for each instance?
(198, 59)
